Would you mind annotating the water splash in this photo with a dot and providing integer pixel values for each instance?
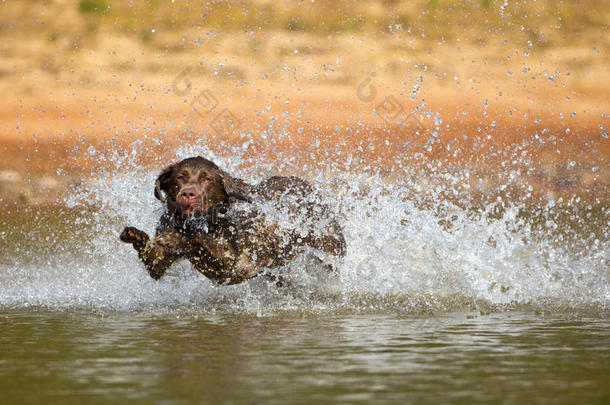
(404, 254)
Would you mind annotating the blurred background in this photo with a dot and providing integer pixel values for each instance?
(462, 144)
(508, 97)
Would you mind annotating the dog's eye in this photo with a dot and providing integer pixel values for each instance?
(207, 179)
(180, 177)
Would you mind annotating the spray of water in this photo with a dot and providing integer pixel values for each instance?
(404, 254)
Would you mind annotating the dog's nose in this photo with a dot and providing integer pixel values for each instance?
(188, 193)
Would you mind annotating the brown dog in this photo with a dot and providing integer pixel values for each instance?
(229, 230)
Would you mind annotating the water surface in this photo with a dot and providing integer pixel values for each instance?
(510, 357)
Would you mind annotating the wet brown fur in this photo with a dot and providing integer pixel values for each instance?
(225, 235)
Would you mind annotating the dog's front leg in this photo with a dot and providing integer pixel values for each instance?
(157, 254)
(216, 257)
(226, 263)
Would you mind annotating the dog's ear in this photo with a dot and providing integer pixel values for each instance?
(234, 187)
(162, 183)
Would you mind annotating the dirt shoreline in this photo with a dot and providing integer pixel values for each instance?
(47, 142)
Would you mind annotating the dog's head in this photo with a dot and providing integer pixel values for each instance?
(194, 185)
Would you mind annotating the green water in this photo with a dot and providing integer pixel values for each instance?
(50, 357)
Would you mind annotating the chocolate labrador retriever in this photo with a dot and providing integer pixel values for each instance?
(230, 230)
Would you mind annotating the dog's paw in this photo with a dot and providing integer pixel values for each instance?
(134, 236)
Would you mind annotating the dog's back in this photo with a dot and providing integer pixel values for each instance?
(300, 206)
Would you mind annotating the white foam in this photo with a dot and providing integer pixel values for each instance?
(400, 257)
